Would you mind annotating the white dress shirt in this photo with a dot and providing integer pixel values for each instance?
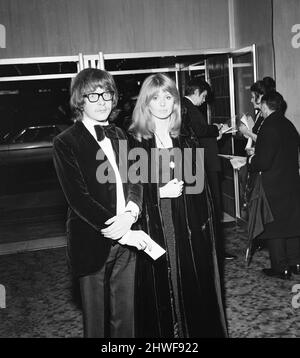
(107, 148)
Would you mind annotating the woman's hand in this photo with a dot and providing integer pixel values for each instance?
(119, 225)
(250, 151)
(173, 189)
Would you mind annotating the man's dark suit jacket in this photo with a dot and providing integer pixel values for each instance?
(276, 156)
(205, 133)
(90, 203)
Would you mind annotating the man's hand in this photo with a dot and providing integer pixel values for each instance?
(222, 128)
(225, 127)
(119, 225)
(172, 189)
(218, 125)
(138, 239)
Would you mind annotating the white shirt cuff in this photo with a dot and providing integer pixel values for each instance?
(133, 208)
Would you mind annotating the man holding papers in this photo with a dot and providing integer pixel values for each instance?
(276, 160)
(195, 95)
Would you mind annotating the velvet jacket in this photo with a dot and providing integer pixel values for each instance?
(90, 203)
(198, 276)
(276, 156)
(205, 133)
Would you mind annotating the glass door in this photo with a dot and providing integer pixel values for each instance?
(242, 74)
(188, 70)
(218, 77)
(130, 70)
(231, 75)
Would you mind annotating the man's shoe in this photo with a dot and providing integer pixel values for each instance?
(295, 269)
(285, 275)
(229, 256)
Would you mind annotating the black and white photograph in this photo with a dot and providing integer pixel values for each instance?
(150, 171)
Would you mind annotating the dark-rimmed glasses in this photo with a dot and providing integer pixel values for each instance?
(94, 97)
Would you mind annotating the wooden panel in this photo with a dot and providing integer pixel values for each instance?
(67, 27)
(286, 14)
(253, 24)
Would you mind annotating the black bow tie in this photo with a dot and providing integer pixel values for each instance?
(105, 131)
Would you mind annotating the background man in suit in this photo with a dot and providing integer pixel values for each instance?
(196, 92)
(100, 255)
(276, 158)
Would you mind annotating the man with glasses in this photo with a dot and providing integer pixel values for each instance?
(101, 212)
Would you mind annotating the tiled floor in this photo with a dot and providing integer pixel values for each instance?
(258, 306)
(41, 300)
(37, 223)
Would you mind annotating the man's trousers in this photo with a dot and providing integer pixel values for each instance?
(108, 296)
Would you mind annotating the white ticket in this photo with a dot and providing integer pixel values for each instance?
(156, 250)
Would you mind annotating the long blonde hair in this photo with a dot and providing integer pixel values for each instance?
(142, 120)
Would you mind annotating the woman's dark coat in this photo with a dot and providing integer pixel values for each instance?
(198, 276)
